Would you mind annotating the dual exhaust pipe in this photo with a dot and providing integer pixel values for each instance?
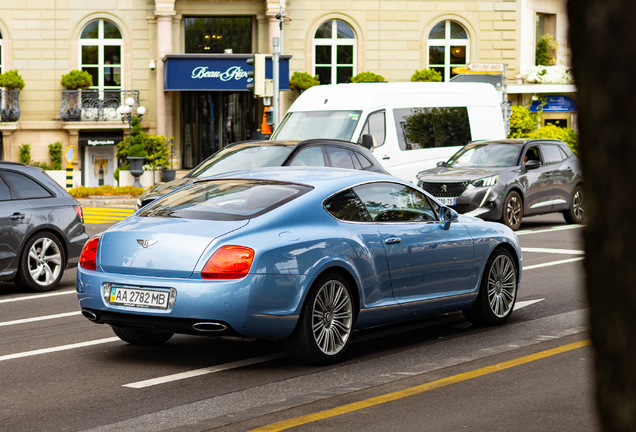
(204, 327)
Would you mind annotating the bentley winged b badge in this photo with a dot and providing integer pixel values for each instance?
(145, 242)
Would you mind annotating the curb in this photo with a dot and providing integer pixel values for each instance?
(108, 202)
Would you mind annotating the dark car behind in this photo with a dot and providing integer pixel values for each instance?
(41, 228)
(259, 154)
(506, 180)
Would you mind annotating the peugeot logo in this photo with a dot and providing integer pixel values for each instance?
(443, 189)
(145, 242)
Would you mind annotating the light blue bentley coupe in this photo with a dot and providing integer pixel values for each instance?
(304, 256)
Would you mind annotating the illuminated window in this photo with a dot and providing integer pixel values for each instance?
(447, 48)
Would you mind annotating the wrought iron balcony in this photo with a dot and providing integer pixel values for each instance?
(9, 108)
(94, 105)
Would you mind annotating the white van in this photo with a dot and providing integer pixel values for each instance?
(413, 125)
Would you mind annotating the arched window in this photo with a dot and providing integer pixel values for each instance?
(101, 50)
(447, 48)
(335, 52)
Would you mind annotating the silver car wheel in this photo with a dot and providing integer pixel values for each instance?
(44, 261)
(577, 206)
(512, 211)
(332, 317)
(502, 284)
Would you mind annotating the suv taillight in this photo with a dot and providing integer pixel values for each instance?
(80, 213)
(228, 262)
(88, 258)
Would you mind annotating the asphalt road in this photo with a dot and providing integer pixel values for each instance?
(61, 372)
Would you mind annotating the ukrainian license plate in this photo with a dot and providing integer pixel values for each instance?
(447, 201)
(154, 299)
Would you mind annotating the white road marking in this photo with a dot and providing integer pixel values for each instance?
(204, 371)
(58, 348)
(37, 296)
(522, 304)
(40, 318)
(553, 251)
(559, 228)
(553, 263)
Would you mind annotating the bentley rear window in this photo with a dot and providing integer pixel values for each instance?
(224, 200)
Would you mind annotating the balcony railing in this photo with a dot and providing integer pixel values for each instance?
(9, 106)
(94, 105)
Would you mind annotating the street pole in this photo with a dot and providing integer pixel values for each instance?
(276, 81)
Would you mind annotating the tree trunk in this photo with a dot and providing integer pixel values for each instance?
(603, 42)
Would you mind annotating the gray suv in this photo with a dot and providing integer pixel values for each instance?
(41, 228)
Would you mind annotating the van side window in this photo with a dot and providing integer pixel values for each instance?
(375, 126)
(420, 128)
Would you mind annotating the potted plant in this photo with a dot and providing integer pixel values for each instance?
(158, 152)
(12, 82)
(301, 81)
(136, 157)
(74, 82)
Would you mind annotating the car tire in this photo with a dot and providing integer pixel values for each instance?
(576, 213)
(139, 336)
(497, 292)
(42, 263)
(512, 211)
(323, 331)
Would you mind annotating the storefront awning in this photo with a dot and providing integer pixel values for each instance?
(100, 138)
(216, 72)
(554, 104)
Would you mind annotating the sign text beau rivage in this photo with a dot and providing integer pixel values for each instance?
(234, 72)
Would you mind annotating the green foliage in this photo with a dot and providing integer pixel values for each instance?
(25, 154)
(545, 53)
(154, 148)
(426, 75)
(367, 77)
(55, 154)
(77, 80)
(303, 81)
(83, 192)
(11, 80)
(436, 127)
(522, 122)
(551, 131)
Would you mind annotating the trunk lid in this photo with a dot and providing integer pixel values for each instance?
(162, 247)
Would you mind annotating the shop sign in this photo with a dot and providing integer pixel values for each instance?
(220, 72)
(91, 142)
(554, 104)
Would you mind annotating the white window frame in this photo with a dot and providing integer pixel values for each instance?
(447, 42)
(334, 42)
(1, 55)
(101, 43)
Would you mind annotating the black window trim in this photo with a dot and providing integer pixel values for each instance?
(15, 192)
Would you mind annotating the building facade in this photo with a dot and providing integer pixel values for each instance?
(134, 48)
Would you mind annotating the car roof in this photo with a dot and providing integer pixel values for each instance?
(297, 143)
(518, 141)
(316, 177)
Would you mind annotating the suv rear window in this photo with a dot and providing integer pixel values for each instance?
(227, 200)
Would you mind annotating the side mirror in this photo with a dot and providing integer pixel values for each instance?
(367, 141)
(447, 215)
(533, 164)
(441, 163)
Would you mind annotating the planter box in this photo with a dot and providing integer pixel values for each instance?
(127, 179)
(60, 177)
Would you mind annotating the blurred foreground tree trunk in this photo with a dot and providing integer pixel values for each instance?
(603, 42)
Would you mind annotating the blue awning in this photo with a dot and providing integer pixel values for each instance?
(554, 104)
(216, 72)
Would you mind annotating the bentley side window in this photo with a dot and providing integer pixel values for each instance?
(347, 206)
(392, 202)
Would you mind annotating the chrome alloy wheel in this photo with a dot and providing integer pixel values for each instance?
(502, 284)
(577, 205)
(513, 211)
(44, 261)
(332, 317)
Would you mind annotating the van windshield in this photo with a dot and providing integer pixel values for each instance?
(302, 125)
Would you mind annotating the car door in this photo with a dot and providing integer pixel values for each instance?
(538, 188)
(426, 263)
(15, 215)
(559, 176)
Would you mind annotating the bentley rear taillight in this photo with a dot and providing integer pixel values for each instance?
(228, 262)
(88, 258)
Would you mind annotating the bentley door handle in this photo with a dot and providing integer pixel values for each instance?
(392, 240)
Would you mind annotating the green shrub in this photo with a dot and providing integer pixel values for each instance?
(154, 148)
(367, 77)
(551, 131)
(77, 80)
(545, 52)
(303, 81)
(83, 192)
(11, 80)
(25, 154)
(426, 75)
(137, 150)
(55, 154)
(522, 122)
